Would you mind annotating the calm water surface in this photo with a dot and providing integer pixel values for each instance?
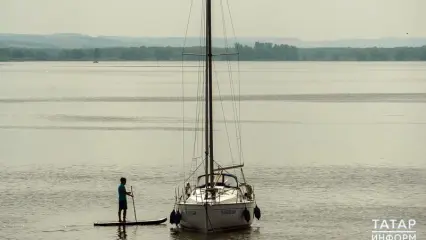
(328, 146)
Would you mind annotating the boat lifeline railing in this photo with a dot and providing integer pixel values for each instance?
(197, 192)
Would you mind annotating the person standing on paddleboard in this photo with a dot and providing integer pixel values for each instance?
(122, 199)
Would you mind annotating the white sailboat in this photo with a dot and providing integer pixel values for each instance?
(218, 200)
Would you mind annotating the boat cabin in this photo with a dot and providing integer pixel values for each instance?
(224, 180)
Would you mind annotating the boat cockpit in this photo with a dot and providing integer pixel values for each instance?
(223, 180)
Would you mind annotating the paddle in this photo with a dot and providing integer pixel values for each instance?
(133, 199)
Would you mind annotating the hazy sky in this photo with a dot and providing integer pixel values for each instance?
(305, 19)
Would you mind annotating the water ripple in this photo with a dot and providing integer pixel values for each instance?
(99, 128)
(329, 97)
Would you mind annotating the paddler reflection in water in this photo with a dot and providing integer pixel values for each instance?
(122, 199)
(122, 235)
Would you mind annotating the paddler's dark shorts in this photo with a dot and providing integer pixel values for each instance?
(122, 205)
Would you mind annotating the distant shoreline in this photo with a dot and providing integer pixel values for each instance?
(258, 52)
(179, 61)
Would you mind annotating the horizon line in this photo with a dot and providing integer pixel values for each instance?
(240, 37)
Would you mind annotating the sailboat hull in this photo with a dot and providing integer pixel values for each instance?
(215, 217)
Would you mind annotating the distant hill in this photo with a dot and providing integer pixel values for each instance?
(70, 40)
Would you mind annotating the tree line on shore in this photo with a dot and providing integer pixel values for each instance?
(258, 52)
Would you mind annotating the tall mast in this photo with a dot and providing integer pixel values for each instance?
(210, 87)
(206, 127)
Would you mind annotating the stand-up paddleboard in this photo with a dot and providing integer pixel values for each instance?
(149, 222)
(136, 222)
